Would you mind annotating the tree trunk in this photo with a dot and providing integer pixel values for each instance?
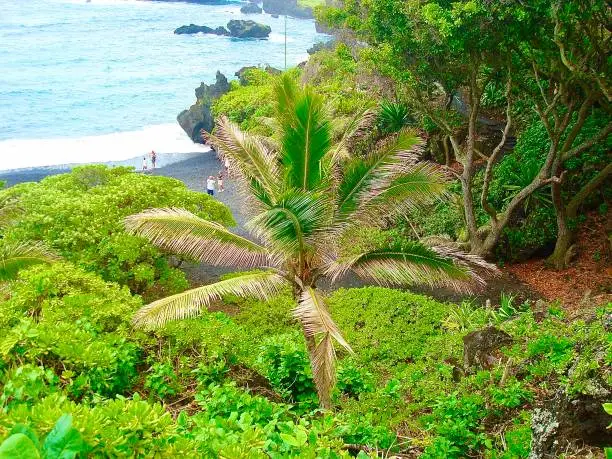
(558, 259)
(470, 217)
(565, 236)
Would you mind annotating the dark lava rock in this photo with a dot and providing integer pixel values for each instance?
(248, 29)
(199, 115)
(321, 45)
(288, 7)
(251, 8)
(480, 345)
(193, 29)
(241, 73)
(579, 419)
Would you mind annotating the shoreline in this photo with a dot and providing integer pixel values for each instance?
(35, 174)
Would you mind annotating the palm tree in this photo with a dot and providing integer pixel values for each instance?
(15, 256)
(307, 198)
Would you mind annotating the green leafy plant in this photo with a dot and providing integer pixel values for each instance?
(393, 117)
(63, 442)
(162, 381)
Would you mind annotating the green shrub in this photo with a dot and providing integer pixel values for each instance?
(287, 367)
(80, 215)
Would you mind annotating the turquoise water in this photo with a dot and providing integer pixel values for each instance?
(107, 78)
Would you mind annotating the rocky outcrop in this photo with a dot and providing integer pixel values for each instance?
(321, 45)
(251, 8)
(235, 29)
(288, 7)
(199, 115)
(241, 73)
(248, 29)
(480, 346)
(580, 419)
(193, 29)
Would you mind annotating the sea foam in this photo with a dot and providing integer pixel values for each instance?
(163, 138)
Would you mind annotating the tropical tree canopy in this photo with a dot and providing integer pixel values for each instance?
(311, 201)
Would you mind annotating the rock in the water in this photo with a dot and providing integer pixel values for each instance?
(288, 7)
(480, 345)
(251, 8)
(248, 29)
(199, 115)
(193, 29)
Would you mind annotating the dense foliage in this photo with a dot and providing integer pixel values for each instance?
(77, 379)
(79, 215)
(69, 350)
(475, 73)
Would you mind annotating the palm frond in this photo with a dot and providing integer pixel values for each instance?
(287, 91)
(9, 211)
(323, 364)
(289, 225)
(423, 184)
(412, 263)
(249, 156)
(262, 285)
(318, 325)
(364, 178)
(306, 139)
(184, 233)
(17, 256)
(352, 131)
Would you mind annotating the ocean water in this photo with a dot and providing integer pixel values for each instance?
(104, 80)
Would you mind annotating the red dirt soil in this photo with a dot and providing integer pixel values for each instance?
(588, 281)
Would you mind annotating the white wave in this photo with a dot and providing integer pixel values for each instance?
(163, 138)
(280, 38)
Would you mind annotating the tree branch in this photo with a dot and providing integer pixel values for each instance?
(494, 156)
(585, 192)
(601, 135)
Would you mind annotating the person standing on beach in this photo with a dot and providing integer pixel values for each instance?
(210, 185)
(144, 164)
(220, 182)
(153, 159)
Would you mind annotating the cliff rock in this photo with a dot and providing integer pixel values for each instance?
(199, 115)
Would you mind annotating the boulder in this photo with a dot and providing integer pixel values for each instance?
(199, 115)
(248, 29)
(251, 8)
(288, 7)
(480, 346)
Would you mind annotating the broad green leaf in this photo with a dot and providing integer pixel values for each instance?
(18, 446)
(64, 441)
(27, 431)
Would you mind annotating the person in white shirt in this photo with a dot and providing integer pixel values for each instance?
(210, 185)
(144, 164)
